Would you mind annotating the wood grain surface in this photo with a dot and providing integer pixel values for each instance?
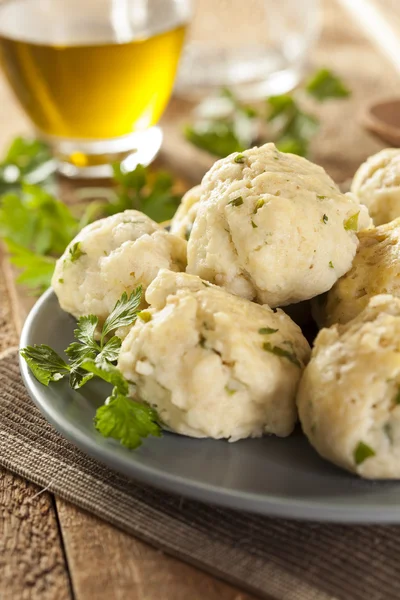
(48, 548)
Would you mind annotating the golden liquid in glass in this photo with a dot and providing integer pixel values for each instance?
(97, 91)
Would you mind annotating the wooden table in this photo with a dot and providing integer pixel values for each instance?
(48, 548)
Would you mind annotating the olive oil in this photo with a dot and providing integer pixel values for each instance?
(93, 91)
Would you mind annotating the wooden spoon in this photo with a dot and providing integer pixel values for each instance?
(383, 119)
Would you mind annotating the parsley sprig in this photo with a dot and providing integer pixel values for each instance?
(94, 355)
(287, 123)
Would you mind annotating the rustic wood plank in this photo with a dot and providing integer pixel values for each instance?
(32, 563)
(106, 563)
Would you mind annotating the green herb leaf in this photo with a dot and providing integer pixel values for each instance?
(37, 270)
(140, 189)
(108, 373)
(126, 420)
(331, 264)
(75, 252)
(396, 399)
(110, 351)
(36, 220)
(86, 347)
(229, 391)
(216, 137)
(124, 312)
(45, 364)
(78, 377)
(325, 219)
(86, 330)
(362, 452)
(236, 201)
(25, 158)
(282, 353)
(259, 204)
(324, 84)
(144, 315)
(321, 197)
(267, 330)
(254, 225)
(351, 224)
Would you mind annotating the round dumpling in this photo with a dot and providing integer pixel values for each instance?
(349, 396)
(377, 185)
(112, 256)
(273, 227)
(213, 364)
(183, 220)
(375, 270)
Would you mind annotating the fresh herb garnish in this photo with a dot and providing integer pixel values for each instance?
(121, 417)
(45, 363)
(267, 330)
(126, 420)
(240, 126)
(331, 264)
(36, 269)
(362, 452)
(75, 252)
(396, 399)
(145, 316)
(282, 353)
(141, 189)
(259, 204)
(324, 85)
(236, 201)
(254, 225)
(230, 391)
(351, 224)
(321, 197)
(325, 219)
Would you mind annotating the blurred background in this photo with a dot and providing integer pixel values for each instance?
(95, 80)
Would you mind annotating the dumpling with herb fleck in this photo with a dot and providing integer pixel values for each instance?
(112, 256)
(375, 270)
(183, 220)
(377, 185)
(213, 364)
(273, 227)
(349, 395)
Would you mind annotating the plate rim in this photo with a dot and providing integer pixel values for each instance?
(270, 505)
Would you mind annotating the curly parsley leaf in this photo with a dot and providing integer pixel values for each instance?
(45, 364)
(124, 312)
(324, 85)
(126, 420)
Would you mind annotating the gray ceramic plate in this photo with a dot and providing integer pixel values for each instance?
(271, 476)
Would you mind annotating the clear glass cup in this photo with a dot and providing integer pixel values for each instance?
(257, 48)
(94, 76)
